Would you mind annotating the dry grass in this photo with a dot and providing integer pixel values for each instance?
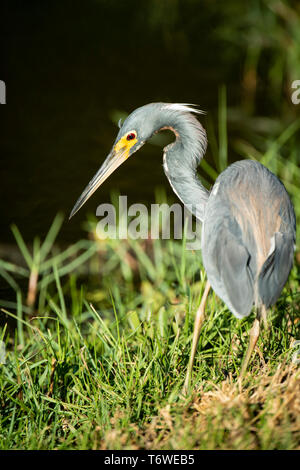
(264, 415)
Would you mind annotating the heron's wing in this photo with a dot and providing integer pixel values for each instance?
(234, 271)
(276, 268)
(227, 262)
(247, 213)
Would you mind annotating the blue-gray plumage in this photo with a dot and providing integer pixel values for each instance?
(248, 230)
(248, 237)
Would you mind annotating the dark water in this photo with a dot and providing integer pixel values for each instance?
(69, 68)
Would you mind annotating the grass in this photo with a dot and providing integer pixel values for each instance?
(100, 363)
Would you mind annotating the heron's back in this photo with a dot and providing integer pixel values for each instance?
(248, 236)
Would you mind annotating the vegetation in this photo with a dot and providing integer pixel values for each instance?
(100, 352)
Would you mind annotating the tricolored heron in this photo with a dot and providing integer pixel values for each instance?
(248, 220)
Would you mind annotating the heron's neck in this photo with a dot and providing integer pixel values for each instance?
(181, 159)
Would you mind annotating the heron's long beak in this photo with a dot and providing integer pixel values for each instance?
(116, 157)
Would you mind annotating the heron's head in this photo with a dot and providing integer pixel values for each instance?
(134, 132)
(137, 128)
